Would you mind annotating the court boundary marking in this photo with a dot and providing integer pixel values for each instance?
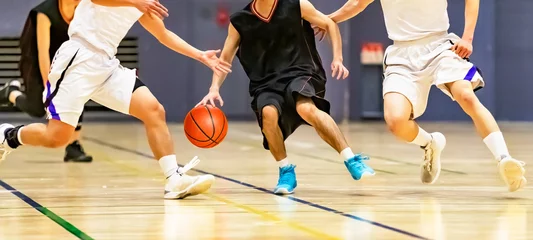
(264, 190)
(47, 212)
(269, 216)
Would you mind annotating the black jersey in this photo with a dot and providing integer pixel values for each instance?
(29, 62)
(276, 50)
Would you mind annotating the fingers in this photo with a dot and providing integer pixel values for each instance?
(222, 69)
(463, 52)
(159, 10)
(220, 101)
(346, 73)
(225, 64)
(153, 12)
(454, 47)
(212, 102)
(341, 72)
(203, 102)
(322, 35)
(161, 6)
(334, 69)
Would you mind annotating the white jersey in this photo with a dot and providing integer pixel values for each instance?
(103, 27)
(408, 20)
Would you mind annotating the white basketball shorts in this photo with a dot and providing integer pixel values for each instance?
(412, 67)
(79, 73)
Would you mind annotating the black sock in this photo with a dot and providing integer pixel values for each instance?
(34, 110)
(11, 136)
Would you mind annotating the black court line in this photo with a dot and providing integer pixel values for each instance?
(45, 211)
(299, 200)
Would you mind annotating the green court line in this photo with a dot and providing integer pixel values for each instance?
(47, 212)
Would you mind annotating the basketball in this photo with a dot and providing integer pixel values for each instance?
(205, 126)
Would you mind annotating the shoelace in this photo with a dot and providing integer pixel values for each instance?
(4, 151)
(285, 177)
(428, 157)
(189, 165)
(358, 162)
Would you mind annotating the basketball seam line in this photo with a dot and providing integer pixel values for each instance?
(195, 139)
(220, 134)
(194, 120)
(212, 121)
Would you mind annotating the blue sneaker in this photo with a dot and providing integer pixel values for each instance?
(357, 168)
(287, 180)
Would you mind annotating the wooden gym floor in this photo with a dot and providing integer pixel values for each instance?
(119, 195)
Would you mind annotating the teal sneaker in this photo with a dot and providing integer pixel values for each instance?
(357, 168)
(287, 180)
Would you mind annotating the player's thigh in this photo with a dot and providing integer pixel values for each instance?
(127, 94)
(116, 92)
(405, 97)
(72, 81)
(269, 107)
(452, 71)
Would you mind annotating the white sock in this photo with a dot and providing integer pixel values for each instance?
(283, 163)
(18, 136)
(497, 145)
(169, 165)
(423, 138)
(347, 153)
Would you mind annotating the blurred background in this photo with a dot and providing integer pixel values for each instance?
(502, 50)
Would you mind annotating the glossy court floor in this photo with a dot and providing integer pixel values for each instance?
(119, 195)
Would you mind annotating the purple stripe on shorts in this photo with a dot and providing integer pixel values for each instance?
(51, 107)
(471, 73)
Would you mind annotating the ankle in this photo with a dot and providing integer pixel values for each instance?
(13, 137)
(13, 95)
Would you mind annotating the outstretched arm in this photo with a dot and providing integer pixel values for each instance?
(350, 9)
(228, 54)
(157, 28)
(313, 16)
(145, 6)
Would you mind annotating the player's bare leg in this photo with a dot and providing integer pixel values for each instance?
(328, 130)
(55, 134)
(10, 93)
(270, 127)
(398, 111)
(146, 108)
(511, 170)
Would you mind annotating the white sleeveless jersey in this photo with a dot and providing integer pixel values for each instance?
(408, 20)
(103, 27)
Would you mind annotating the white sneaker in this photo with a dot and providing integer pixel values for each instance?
(430, 168)
(5, 149)
(180, 185)
(512, 172)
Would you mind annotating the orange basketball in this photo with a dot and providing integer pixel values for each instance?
(205, 126)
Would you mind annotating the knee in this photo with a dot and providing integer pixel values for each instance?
(269, 117)
(467, 99)
(396, 120)
(154, 113)
(306, 109)
(57, 140)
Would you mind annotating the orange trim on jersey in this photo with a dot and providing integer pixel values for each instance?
(269, 17)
